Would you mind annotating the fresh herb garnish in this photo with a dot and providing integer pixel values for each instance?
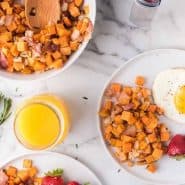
(179, 157)
(7, 103)
(87, 183)
(55, 173)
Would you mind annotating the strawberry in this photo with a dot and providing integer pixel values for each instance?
(53, 178)
(73, 183)
(48, 180)
(176, 148)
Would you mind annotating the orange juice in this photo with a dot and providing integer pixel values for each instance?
(42, 122)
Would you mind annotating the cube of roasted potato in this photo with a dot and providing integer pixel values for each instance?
(21, 46)
(27, 163)
(23, 175)
(11, 171)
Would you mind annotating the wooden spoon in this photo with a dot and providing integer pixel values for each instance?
(40, 13)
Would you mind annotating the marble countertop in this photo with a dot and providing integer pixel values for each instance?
(114, 41)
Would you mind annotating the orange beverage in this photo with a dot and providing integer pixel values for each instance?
(42, 122)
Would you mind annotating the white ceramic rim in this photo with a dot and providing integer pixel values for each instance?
(49, 153)
(106, 148)
(48, 74)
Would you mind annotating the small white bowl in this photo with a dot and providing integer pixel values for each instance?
(50, 73)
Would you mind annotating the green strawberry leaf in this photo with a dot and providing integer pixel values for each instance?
(87, 183)
(55, 173)
(179, 157)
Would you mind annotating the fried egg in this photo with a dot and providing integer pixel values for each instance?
(169, 93)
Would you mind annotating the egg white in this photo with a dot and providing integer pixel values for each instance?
(164, 89)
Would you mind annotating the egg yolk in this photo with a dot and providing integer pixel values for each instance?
(179, 100)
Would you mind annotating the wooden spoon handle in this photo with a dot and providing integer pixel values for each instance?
(40, 13)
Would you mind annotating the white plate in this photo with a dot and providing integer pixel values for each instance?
(149, 64)
(50, 73)
(46, 161)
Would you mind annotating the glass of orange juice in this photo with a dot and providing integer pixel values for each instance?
(42, 122)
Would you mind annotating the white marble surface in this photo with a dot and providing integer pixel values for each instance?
(114, 42)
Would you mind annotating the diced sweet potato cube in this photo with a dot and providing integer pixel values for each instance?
(127, 139)
(86, 9)
(127, 90)
(27, 163)
(121, 156)
(157, 145)
(65, 50)
(108, 129)
(107, 105)
(127, 147)
(5, 36)
(49, 59)
(61, 31)
(152, 108)
(37, 181)
(56, 64)
(145, 120)
(74, 45)
(118, 143)
(22, 14)
(148, 149)
(157, 153)
(118, 119)
(151, 168)
(11, 171)
(18, 66)
(152, 138)
(115, 88)
(20, 29)
(17, 180)
(38, 66)
(139, 125)
(23, 175)
(149, 159)
(33, 172)
(12, 27)
(153, 124)
(56, 55)
(141, 136)
(78, 2)
(104, 113)
(73, 10)
(22, 46)
(146, 92)
(26, 70)
(142, 144)
(128, 116)
(124, 99)
(165, 136)
(9, 11)
(5, 5)
(51, 29)
(84, 26)
(67, 21)
(140, 80)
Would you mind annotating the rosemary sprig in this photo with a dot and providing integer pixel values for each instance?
(7, 104)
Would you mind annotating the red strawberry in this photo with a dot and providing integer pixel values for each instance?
(177, 146)
(73, 183)
(48, 180)
(53, 177)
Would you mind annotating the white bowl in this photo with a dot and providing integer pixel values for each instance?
(50, 73)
